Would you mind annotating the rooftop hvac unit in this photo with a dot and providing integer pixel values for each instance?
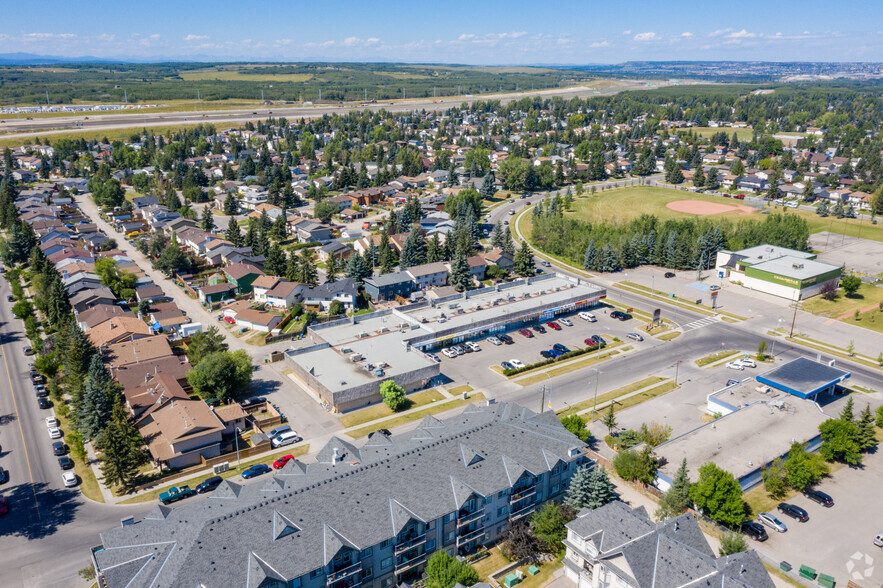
(797, 266)
(356, 357)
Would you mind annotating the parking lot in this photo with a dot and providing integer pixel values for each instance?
(474, 367)
(837, 541)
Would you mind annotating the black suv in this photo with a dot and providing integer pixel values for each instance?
(818, 496)
(59, 448)
(539, 328)
(795, 512)
(209, 484)
(754, 530)
(65, 463)
(561, 348)
(506, 339)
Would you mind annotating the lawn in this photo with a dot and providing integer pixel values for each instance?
(743, 134)
(490, 564)
(193, 482)
(110, 134)
(866, 296)
(460, 389)
(416, 415)
(88, 482)
(237, 75)
(669, 336)
(379, 411)
(716, 356)
(659, 390)
(628, 389)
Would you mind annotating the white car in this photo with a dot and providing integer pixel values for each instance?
(735, 365)
(566, 322)
(450, 352)
(587, 316)
(746, 362)
(473, 346)
(516, 363)
(772, 522)
(494, 341)
(635, 336)
(69, 479)
(433, 356)
(51, 421)
(878, 540)
(54, 433)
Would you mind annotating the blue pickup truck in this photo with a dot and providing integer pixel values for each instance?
(175, 493)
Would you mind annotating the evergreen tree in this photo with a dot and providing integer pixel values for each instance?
(590, 259)
(233, 234)
(120, 444)
(275, 263)
(460, 278)
(699, 177)
(385, 256)
(95, 408)
(677, 499)
(847, 414)
(496, 238)
(308, 273)
(508, 242)
(590, 488)
(332, 271)
(207, 223)
(609, 419)
(524, 261)
(230, 205)
(279, 230)
(435, 250)
(867, 437)
(414, 249)
(77, 358)
(356, 268)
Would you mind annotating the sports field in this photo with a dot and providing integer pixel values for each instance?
(238, 75)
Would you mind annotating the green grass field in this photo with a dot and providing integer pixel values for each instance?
(111, 134)
(227, 75)
(743, 134)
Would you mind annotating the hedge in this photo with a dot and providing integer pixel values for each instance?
(575, 353)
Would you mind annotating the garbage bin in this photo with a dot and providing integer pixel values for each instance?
(785, 566)
(826, 581)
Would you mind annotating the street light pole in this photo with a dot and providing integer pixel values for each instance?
(597, 378)
(238, 461)
(677, 366)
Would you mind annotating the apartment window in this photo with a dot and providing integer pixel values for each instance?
(430, 525)
(556, 488)
(430, 545)
(385, 543)
(366, 553)
(501, 494)
(295, 583)
(502, 511)
(385, 563)
(449, 517)
(315, 573)
(539, 496)
(367, 573)
(451, 535)
(488, 499)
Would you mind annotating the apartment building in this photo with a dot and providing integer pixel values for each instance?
(616, 546)
(364, 516)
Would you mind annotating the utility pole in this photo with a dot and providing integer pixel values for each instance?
(597, 377)
(794, 318)
(677, 365)
(543, 398)
(126, 96)
(403, 93)
(47, 97)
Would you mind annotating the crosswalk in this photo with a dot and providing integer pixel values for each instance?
(698, 324)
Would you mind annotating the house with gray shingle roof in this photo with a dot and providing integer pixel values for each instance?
(356, 516)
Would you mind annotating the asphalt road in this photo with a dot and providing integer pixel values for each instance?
(21, 127)
(46, 535)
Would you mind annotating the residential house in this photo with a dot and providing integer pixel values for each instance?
(118, 329)
(153, 393)
(257, 320)
(502, 259)
(137, 350)
(241, 276)
(86, 299)
(181, 433)
(94, 316)
(322, 296)
(388, 286)
(477, 266)
(340, 251)
(214, 293)
(151, 292)
(284, 294)
(428, 275)
(137, 374)
(308, 231)
(232, 417)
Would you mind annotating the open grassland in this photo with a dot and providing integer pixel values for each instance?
(110, 134)
(227, 75)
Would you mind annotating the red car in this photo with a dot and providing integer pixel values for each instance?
(230, 320)
(282, 461)
(4, 508)
(553, 325)
(526, 333)
(590, 342)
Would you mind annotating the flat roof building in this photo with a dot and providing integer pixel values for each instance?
(804, 377)
(364, 516)
(788, 273)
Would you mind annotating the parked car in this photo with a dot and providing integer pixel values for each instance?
(635, 336)
(433, 356)
(545, 263)
(754, 530)
(255, 470)
(10, 298)
(714, 287)
(618, 314)
(4, 508)
(539, 328)
(65, 462)
(43, 403)
(4, 476)
(40, 391)
(385, 432)
(59, 448)
(525, 332)
(819, 496)
(28, 351)
(546, 354)
(209, 485)
(735, 365)
(878, 540)
(506, 339)
(450, 352)
(516, 363)
(795, 512)
(566, 322)
(472, 345)
(282, 461)
(275, 432)
(54, 433)
(175, 493)
(252, 401)
(507, 366)
(747, 362)
(286, 438)
(561, 348)
(771, 521)
(462, 349)
(51, 421)
(669, 274)
(599, 340)
(555, 353)
(587, 316)
(553, 325)
(590, 342)
(494, 341)
(69, 479)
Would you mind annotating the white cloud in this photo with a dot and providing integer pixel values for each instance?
(743, 34)
(650, 36)
(107, 38)
(372, 41)
(687, 35)
(155, 36)
(719, 32)
(282, 42)
(44, 36)
(600, 44)
(514, 35)
(196, 37)
(627, 32)
(465, 37)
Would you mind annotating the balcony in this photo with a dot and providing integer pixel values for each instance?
(470, 517)
(470, 536)
(411, 542)
(344, 573)
(522, 494)
(522, 511)
(403, 566)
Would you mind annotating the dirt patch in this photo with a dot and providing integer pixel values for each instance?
(703, 208)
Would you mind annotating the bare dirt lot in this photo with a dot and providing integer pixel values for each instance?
(703, 208)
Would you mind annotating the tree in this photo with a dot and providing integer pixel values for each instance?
(822, 209)
(120, 444)
(221, 375)
(95, 408)
(609, 419)
(636, 465)
(393, 396)
(839, 441)
(761, 349)
(171, 259)
(847, 413)
(230, 204)
(414, 249)
(866, 437)
(234, 234)
(308, 274)
(275, 263)
(850, 284)
(332, 271)
(207, 223)
(589, 488)
(577, 425)
(775, 478)
(549, 525)
(336, 307)
(731, 543)
(356, 268)
(879, 416)
(205, 343)
(829, 291)
(677, 499)
(718, 495)
(803, 469)
(461, 278)
(324, 210)
(524, 265)
(520, 543)
(444, 571)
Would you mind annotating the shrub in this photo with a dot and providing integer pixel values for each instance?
(393, 396)
(545, 362)
(576, 425)
(634, 465)
(732, 543)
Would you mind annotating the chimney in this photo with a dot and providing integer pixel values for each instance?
(336, 457)
(111, 324)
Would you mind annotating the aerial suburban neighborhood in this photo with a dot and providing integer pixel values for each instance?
(446, 325)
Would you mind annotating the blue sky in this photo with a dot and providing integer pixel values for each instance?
(454, 31)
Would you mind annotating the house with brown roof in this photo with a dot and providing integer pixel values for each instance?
(153, 394)
(181, 433)
(500, 258)
(257, 320)
(117, 329)
(212, 293)
(233, 417)
(138, 374)
(241, 276)
(284, 294)
(137, 350)
(89, 319)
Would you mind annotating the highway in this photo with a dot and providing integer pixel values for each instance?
(46, 535)
(21, 127)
